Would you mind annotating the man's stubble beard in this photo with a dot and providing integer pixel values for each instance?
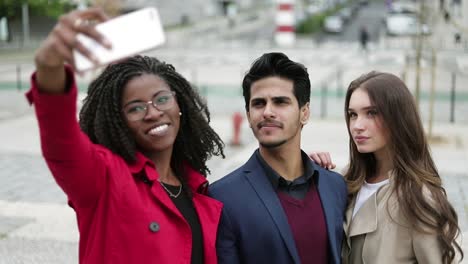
(273, 145)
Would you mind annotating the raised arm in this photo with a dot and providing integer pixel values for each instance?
(74, 161)
(59, 44)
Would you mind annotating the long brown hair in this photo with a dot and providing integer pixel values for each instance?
(414, 170)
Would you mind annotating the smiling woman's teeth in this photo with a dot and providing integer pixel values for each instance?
(158, 130)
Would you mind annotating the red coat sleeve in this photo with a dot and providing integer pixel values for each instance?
(77, 164)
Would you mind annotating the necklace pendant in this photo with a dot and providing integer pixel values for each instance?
(169, 191)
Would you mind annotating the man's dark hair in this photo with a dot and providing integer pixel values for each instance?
(102, 120)
(277, 64)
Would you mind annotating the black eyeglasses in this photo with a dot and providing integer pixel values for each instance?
(162, 101)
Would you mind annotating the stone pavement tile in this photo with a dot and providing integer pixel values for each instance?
(25, 177)
(26, 251)
(8, 224)
(456, 187)
(13, 104)
(49, 221)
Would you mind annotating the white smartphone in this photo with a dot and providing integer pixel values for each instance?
(129, 34)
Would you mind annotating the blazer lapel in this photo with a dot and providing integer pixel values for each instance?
(328, 204)
(262, 186)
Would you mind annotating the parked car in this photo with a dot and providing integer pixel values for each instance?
(363, 2)
(346, 13)
(403, 7)
(401, 24)
(333, 24)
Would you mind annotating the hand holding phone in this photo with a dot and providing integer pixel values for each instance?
(128, 34)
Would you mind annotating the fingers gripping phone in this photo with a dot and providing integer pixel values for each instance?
(129, 34)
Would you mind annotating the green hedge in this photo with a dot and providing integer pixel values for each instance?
(311, 24)
(314, 23)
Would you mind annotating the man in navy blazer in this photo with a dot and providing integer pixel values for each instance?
(279, 207)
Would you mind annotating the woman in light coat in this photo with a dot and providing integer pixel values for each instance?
(398, 211)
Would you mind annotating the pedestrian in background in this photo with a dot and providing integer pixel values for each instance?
(398, 210)
(363, 37)
(134, 167)
(279, 207)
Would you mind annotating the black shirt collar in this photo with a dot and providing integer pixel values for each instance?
(277, 181)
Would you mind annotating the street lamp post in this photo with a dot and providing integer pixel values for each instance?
(419, 47)
(432, 92)
(465, 20)
(25, 20)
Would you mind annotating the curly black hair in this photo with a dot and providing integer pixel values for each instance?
(102, 120)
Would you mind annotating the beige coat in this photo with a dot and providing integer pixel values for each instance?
(372, 237)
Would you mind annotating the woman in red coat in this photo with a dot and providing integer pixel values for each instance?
(134, 167)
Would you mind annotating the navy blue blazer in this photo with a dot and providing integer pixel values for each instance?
(254, 228)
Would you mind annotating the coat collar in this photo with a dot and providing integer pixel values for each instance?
(367, 214)
(195, 180)
(139, 163)
(368, 211)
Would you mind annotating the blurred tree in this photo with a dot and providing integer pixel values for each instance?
(50, 8)
(111, 7)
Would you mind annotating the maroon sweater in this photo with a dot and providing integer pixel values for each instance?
(308, 226)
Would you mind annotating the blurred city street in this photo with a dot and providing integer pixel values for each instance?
(37, 225)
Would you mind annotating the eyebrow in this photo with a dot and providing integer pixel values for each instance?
(281, 98)
(273, 98)
(364, 108)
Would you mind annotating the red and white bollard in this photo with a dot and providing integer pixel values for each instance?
(285, 34)
(237, 125)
